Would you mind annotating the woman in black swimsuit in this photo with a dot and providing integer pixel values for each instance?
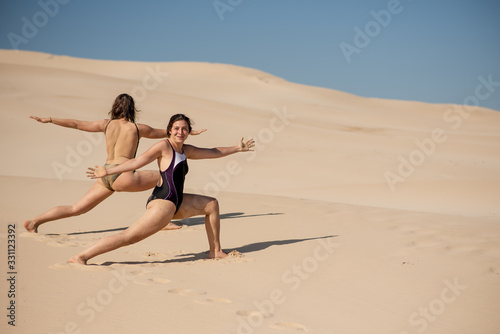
(122, 140)
(168, 201)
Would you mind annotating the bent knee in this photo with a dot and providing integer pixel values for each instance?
(212, 205)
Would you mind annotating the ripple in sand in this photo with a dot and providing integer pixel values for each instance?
(56, 237)
(186, 292)
(494, 270)
(464, 249)
(289, 325)
(150, 281)
(409, 229)
(84, 243)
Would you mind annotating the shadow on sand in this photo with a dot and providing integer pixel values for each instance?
(189, 257)
(189, 222)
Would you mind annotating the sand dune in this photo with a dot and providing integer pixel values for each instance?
(353, 215)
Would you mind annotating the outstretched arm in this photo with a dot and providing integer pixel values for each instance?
(142, 160)
(148, 132)
(95, 126)
(193, 152)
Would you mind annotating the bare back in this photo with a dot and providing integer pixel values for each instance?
(122, 140)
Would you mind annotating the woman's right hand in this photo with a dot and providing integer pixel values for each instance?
(96, 172)
(42, 120)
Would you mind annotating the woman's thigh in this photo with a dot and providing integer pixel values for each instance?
(158, 214)
(193, 205)
(136, 181)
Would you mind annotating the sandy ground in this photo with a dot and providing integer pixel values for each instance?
(353, 215)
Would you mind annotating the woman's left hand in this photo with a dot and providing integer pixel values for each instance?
(96, 172)
(245, 146)
(197, 132)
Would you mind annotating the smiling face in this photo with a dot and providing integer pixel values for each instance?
(181, 122)
(179, 132)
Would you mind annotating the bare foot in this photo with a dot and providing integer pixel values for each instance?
(78, 260)
(31, 226)
(171, 226)
(217, 255)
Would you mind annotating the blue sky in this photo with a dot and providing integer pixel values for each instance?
(438, 51)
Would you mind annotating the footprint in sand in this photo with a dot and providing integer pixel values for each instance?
(416, 230)
(153, 255)
(140, 272)
(289, 325)
(146, 265)
(211, 301)
(234, 257)
(61, 237)
(58, 240)
(150, 281)
(62, 244)
(235, 253)
(187, 228)
(408, 229)
(251, 314)
(464, 249)
(424, 244)
(29, 235)
(186, 292)
(89, 267)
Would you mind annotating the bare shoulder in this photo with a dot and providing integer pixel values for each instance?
(142, 127)
(94, 126)
(103, 122)
(150, 132)
(189, 149)
(163, 146)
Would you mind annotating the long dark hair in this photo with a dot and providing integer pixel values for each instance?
(175, 118)
(123, 107)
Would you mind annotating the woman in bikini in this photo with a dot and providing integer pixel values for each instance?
(122, 140)
(168, 200)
